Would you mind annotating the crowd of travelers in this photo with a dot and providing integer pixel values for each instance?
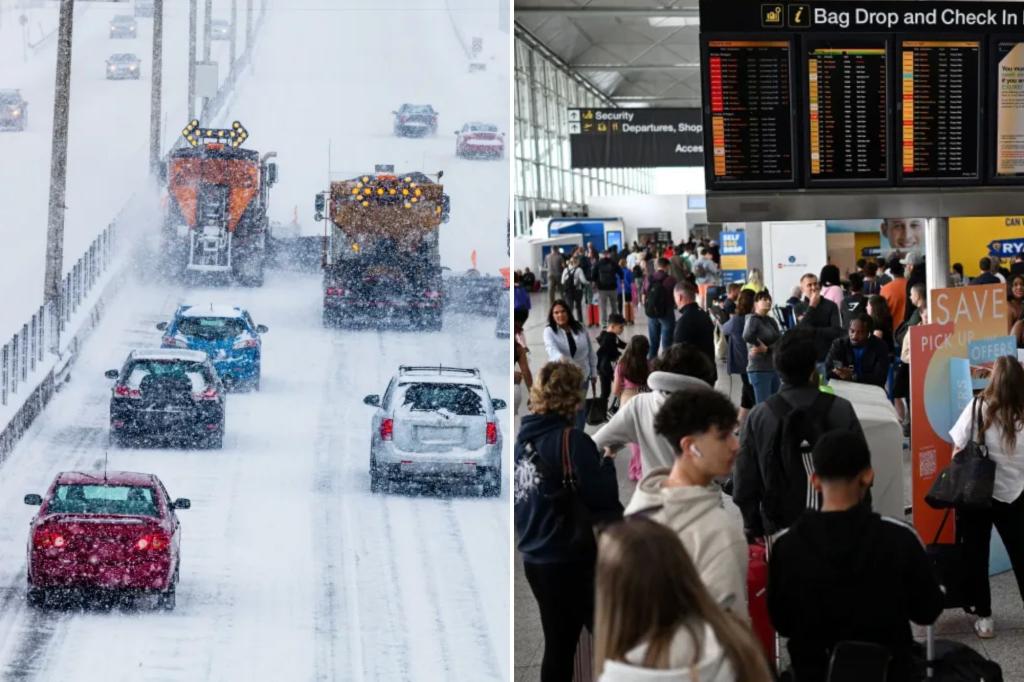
(746, 525)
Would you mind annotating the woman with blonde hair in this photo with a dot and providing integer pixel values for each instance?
(996, 419)
(655, 620)
(754, 281)
(563, 487)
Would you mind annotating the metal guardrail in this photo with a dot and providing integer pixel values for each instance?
(42, 333)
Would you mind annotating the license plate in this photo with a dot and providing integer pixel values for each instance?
(433, 434)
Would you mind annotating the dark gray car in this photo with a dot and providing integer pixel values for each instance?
(123, 65)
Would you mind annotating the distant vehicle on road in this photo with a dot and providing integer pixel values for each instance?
(166, 395)
(415, 120)
(436, 424)
(220, 29)
(227, 334)
(123, 26)
(123, 65)
(144, 8)
(479, 141)
(113, 532)
(13, 110)
(503, 327)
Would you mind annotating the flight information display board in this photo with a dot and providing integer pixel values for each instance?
(847, 99)
(940, 117)
(748, 113)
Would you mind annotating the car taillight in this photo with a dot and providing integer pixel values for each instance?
(387, 429)
(492, 433)
(335, 291)
(46, 539)
(246, 343)
(125, 392)
(153, 541)
(209, 394)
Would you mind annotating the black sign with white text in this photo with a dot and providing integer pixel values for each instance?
(635, 138)
(908, 16)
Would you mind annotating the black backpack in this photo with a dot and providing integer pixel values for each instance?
(787, 481)
(657, 304)
(606, 271)
(572, 292)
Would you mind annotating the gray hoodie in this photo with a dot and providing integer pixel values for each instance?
(634, 421)
(764, 330)
(711, 664)
(711, 533)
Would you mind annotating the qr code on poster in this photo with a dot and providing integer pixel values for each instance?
(926, 464)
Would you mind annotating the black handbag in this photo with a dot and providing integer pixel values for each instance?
(949, 562)
(597, 410)
(968, 481)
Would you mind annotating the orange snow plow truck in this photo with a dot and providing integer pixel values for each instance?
(216, 217)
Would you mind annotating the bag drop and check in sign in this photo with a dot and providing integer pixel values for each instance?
(635, 138)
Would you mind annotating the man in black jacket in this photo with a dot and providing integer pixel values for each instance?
(846, 573)
(819, 314)
(606, 279)
(770, 489)
(861, 356)
(694, 326)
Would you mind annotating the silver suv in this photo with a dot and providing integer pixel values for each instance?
(436, 423)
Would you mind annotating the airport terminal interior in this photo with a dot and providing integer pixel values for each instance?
(877, 147)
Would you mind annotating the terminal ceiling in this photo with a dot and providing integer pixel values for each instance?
(637, 52)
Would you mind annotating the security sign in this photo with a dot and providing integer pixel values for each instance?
(635, 138)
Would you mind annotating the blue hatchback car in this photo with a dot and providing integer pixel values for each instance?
(227, 334)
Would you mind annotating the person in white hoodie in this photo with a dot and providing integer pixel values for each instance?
(701, 425)
(654, 620)
(681, 368)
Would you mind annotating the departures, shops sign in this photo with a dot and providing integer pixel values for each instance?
(635, 138)
(838, 94)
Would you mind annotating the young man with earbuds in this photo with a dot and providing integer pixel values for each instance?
(701, 424)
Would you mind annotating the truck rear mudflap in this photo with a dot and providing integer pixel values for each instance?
(416, 314)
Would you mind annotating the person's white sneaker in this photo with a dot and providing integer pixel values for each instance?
(985, 628)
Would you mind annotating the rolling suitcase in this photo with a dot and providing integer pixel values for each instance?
(757, 598)
(948, 661)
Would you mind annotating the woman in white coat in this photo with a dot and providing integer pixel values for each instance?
(566, 339)
(654, 620)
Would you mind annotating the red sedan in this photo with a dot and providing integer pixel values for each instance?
(479, 140)
(112, 532)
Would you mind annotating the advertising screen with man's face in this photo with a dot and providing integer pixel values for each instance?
(902, 235)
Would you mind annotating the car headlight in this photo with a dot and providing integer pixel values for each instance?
(15, 112)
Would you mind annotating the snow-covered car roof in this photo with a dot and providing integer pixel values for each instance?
(123, 19)
(9, 95)
(214, 310)
(418, 108)
(110, 478)
(123, 57)
(169, 354)
(220, 22)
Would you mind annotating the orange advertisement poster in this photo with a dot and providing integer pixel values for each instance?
(958, 317)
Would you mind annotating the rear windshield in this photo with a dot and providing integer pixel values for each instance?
(455, 398)
(211, 327)
(103, 499)
(124, 19)
(484, 128)
(9, 98)
(418, 109)
(196, 372)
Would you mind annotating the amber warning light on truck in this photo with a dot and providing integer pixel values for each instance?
(235, 135)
